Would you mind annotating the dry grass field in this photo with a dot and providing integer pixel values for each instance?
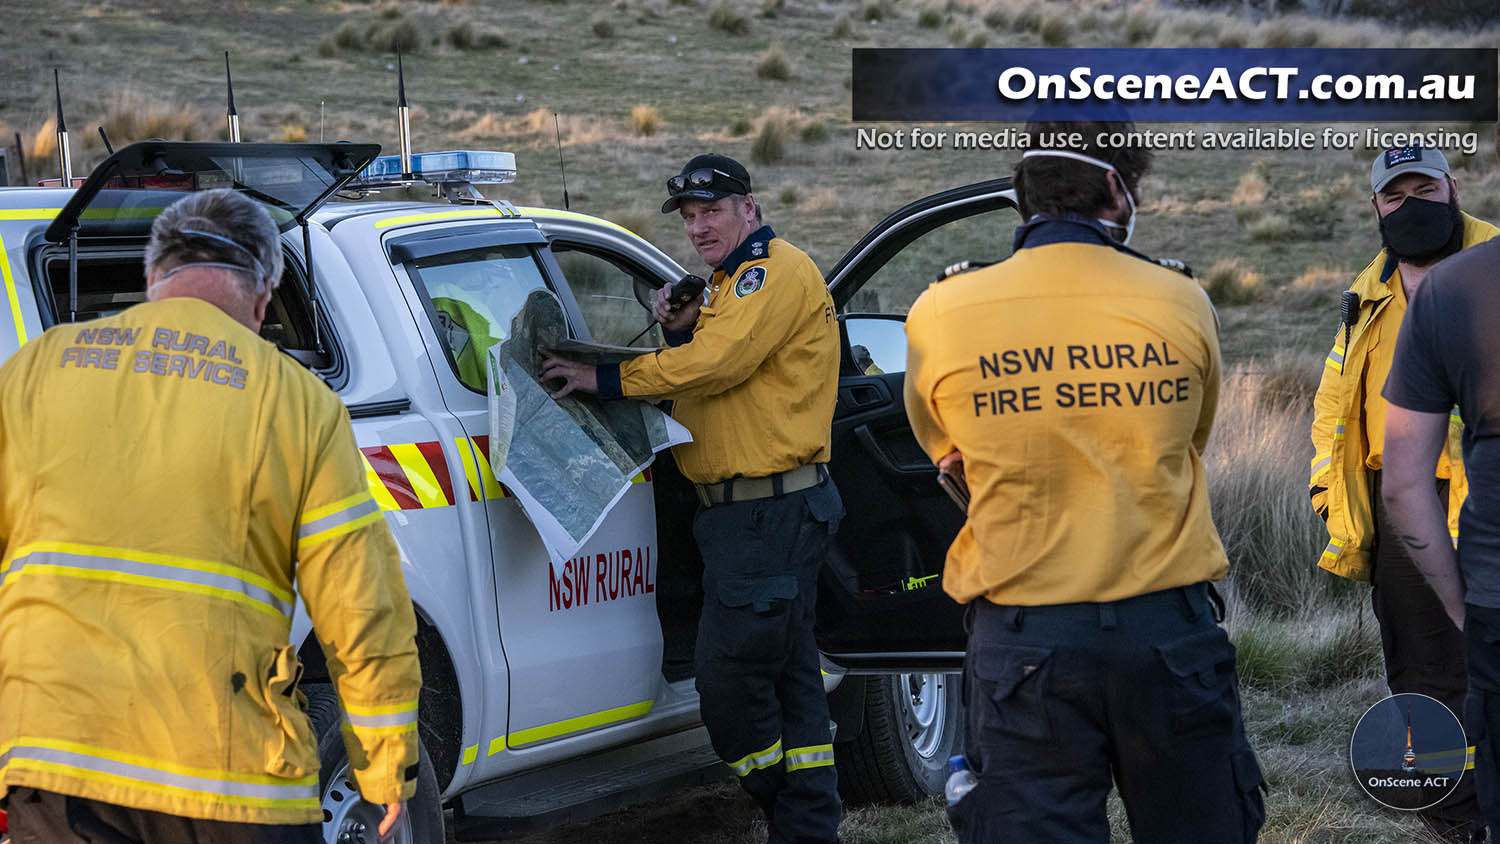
(637, 86)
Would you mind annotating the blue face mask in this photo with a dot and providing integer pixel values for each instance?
(1129, 227)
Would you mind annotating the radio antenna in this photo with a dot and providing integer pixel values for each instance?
(64, 152)
(557, 127)
(230, 114)
(105, 138)
(403, 118)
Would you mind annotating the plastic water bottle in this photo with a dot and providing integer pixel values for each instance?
(961, 780)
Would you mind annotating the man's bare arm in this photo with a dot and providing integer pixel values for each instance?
(1413, 441)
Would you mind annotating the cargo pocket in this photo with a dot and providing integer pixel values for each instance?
(755, 614)
(290, 749)
(1251, 786)
(1201, 670)
(1012, 679)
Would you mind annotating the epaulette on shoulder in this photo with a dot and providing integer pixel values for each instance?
(962, 267)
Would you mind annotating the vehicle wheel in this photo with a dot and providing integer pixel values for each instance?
(913, 723)
(347, 817)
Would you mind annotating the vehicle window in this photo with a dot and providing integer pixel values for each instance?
(606, 293)
(876, 346)
(984, 237)
(474, 295)
(109, 282)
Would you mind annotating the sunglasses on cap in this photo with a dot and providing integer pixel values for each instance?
(705, 178)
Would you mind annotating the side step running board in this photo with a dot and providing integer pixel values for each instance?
(585, 788)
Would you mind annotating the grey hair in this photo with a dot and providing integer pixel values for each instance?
(217, 227)
(759, 217)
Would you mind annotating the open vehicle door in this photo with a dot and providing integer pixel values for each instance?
(881, 605)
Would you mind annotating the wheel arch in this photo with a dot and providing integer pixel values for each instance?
(440, 706)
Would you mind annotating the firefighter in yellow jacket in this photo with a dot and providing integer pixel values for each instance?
(167, 480)
(753, 370)
(1078, 381)
(1416, 203)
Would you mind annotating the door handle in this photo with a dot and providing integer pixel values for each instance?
(861, 396)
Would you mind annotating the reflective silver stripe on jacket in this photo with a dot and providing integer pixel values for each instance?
(394, 719)
(141, 573)
(333, 520)
(146, 774)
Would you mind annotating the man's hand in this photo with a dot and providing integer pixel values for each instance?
(392, 817)
(679, 320)
(575, 376)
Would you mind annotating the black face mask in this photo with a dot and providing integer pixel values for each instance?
(1422, 231)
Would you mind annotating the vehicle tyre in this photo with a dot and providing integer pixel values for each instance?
(913, 723)
(347, 817)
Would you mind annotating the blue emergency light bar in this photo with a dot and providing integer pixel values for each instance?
(472, 166)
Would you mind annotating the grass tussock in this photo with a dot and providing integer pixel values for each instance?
(602, 27)
(873, 11)
(1228, 282)
(772, 139)
(773, 64)
(645, 120)
(930, 17)
(132, 117)
(466, 35)
(1055, 31)
(813, 132)
(843, 28)
(728, 20)
(1270, 228)
(788, 195)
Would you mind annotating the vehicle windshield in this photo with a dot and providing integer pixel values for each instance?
(475, 294)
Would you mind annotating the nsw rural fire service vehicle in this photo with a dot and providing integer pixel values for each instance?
(551, 691)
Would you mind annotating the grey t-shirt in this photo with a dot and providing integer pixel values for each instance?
(1449, 354)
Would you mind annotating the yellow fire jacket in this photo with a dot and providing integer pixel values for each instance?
(165, 474)
(757, 383)
(1340, 482)
(1079, 383)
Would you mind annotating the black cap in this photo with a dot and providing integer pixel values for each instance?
(718, 187)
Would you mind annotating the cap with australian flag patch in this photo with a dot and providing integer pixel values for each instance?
(1428, 161)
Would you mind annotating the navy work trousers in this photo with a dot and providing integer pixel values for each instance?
(1424, 651)
(46, 817)
(1059, 698)
(1482, 707)
(758, 677)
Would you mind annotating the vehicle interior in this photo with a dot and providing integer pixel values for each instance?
(111, 279)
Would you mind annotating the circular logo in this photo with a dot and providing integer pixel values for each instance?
(1408, 752)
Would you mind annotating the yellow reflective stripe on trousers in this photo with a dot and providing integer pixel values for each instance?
(388, 718)
(139, 568)
(1332, 550)
(814, 756)
(96, 764)
(755, 761)
(336, 519)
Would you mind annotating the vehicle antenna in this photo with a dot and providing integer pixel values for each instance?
(230, 114)
(105, 138)
(21, 159)
(64, 153)
(321, 104)
(403, 118)
(556, 127)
